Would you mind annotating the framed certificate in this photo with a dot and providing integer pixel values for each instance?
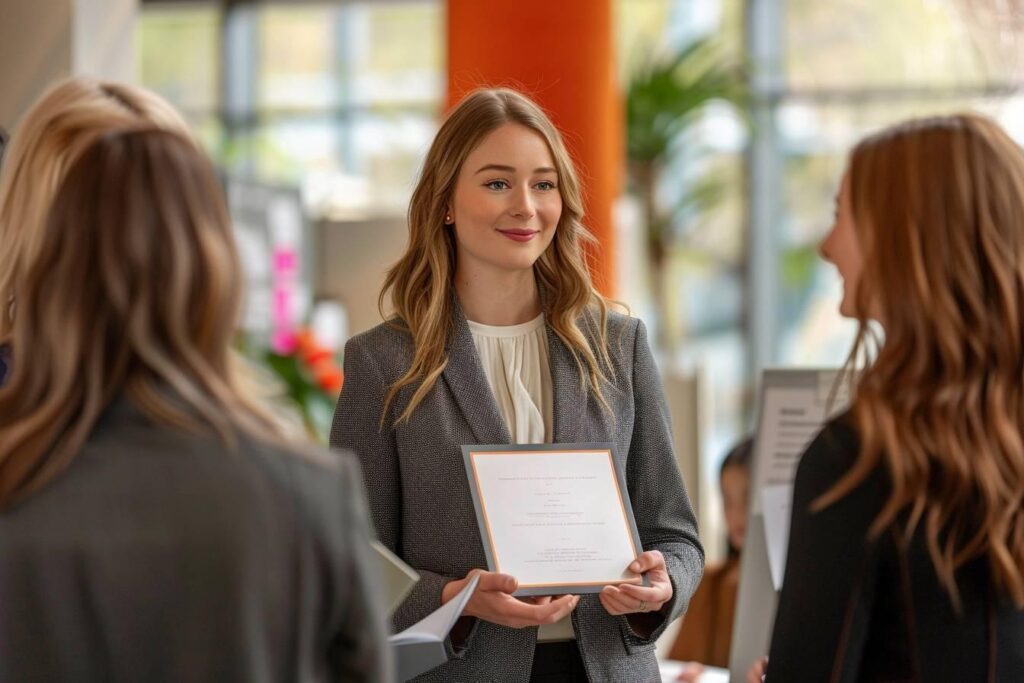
(555, 516)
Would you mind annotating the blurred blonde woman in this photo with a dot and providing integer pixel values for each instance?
(498, 336)
(50, 136)
(906, 555)
(154, 523)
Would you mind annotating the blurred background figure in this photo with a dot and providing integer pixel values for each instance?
(706, 633)
(155, 523)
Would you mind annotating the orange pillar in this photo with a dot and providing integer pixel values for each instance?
(561, 54)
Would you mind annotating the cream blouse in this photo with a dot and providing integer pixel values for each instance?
(515, 361)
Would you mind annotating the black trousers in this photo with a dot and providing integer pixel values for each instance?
(558, 662)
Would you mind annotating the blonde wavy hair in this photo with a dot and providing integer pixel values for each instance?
(134, 290)
(420, 283)
(938, 206)
(52, 134)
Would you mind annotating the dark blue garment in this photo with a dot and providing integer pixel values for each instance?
(5, 359)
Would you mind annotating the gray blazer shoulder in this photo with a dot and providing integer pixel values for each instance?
(160, 556)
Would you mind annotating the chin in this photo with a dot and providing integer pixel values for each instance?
(517, 261)
(846, 309)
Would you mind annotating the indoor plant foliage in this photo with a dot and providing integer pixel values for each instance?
(664, 98)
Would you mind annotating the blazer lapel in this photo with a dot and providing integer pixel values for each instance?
(468, 383)
(569, 396)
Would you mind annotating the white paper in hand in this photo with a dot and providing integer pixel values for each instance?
(436, 626)
(420, 647)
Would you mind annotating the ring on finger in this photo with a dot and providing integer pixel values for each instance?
(643, 606)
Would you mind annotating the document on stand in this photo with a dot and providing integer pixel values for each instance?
(777, 504)
(555, 516)
(796, 405)
(420, 647)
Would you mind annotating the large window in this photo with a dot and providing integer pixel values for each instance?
(851, 68)
(338, 99)
(750, 289)
(179, 57)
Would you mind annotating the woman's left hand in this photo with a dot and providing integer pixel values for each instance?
(626, 598)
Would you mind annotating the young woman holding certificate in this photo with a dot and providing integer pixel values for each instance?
(906, 552)
(499, 337)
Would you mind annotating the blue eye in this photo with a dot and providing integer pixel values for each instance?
(497, 185)
(545, 185)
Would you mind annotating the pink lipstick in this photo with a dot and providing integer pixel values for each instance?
(519, 235)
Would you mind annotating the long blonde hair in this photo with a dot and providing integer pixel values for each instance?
(420, 282)
(938, 206)
(134, 290)
(51, 135)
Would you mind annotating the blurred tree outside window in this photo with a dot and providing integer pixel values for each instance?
(697, 143)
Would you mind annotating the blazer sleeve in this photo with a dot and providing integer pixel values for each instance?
(361, 649)
(357, 427)
(664, 515)
(827, 594)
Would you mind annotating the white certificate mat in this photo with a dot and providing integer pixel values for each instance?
(555, 516)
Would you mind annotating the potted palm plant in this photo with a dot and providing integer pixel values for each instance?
(664, 97)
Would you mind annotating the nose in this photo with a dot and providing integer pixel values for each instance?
(522, 204)
(823, 247)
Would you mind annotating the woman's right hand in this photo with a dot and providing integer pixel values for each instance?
(492, 601)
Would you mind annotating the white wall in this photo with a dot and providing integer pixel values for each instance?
(351, 261)
(42, 41)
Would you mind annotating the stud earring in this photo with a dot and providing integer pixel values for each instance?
(448, 219)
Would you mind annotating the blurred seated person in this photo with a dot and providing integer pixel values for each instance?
(706, 633)
(906, 547)
(155, 523)
(49, 137)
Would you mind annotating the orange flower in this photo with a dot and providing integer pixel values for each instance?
(329, 377)
(315, 353)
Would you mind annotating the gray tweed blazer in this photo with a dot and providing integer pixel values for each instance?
(421, 504)
(164, 556)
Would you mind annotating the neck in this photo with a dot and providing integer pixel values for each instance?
(498, 298)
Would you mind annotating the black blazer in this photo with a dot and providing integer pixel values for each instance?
(857, 610)
(162, 556)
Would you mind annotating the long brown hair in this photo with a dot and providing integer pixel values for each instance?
(134, 290)
(66, 119)
(420, 283)
(938, 206)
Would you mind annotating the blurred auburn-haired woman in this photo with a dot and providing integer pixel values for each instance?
(154, 523)
(906, 554)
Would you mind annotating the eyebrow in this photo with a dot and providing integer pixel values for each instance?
(511, 169)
